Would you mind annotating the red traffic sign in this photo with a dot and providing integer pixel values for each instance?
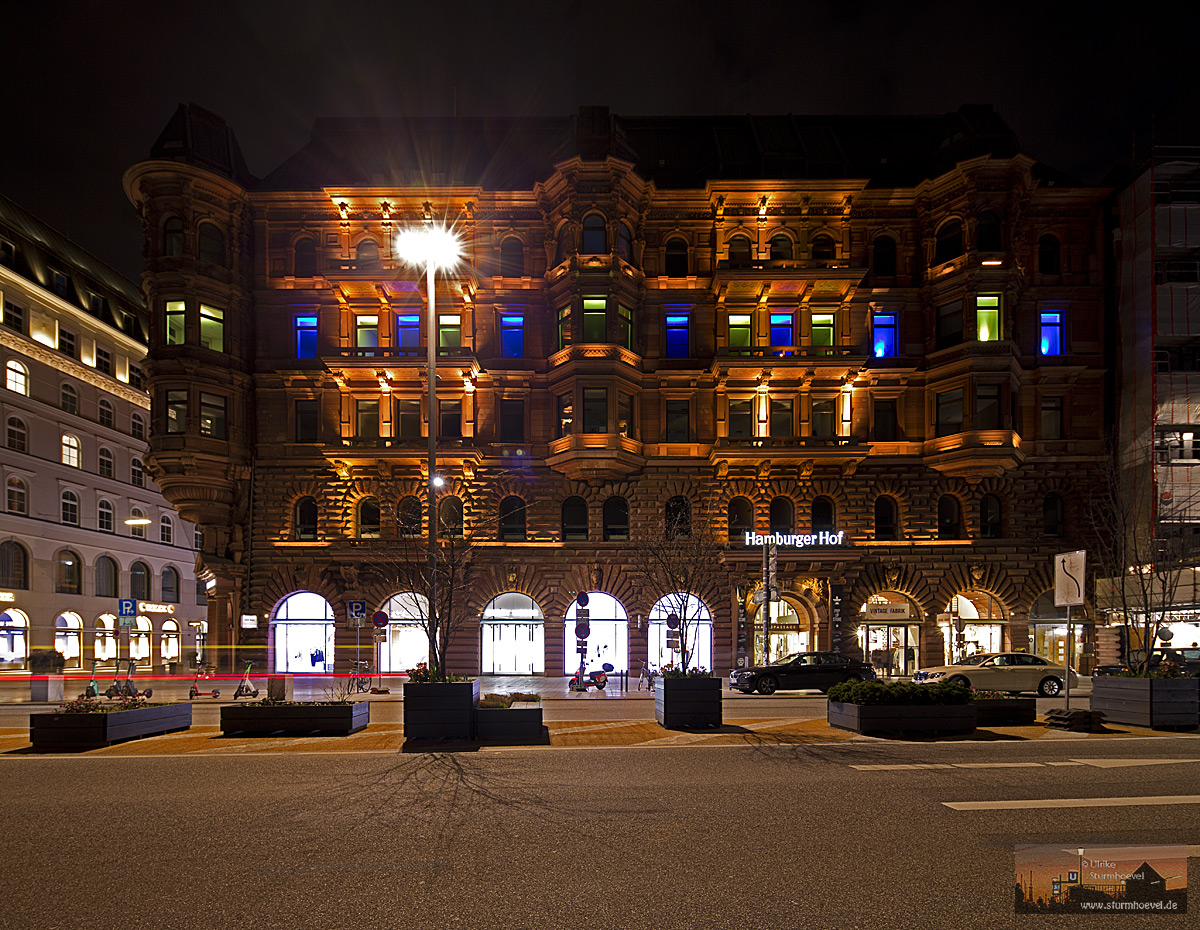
(380, 619)
(672, 621)
(582, 629)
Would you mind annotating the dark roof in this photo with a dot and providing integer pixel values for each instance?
(200, 137)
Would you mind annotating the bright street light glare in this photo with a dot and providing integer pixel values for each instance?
(429, 247)
(438, 481)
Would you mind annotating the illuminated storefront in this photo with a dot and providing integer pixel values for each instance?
(406, 644)
(608, 640)
(303, 629)
(699, 632)
(512, 636)
(981, 619)
(888, 638)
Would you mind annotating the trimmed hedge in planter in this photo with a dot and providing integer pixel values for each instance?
(903, 719)
(440, 710)
(520, 723)
(1157, 703)
(66, 731)
(1005, 712)
(687, 702)
(259, 719)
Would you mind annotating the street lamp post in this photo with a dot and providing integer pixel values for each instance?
(434, 249)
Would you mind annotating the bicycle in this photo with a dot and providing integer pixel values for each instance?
(360, 677)
(647, 674)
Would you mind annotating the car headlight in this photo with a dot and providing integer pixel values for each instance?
(930, 676)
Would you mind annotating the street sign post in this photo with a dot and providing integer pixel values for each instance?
(1069, 574)
(356, 613)
(126, 607)
(380, 619)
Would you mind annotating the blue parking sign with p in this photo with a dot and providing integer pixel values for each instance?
(356, 610)
(126, 607)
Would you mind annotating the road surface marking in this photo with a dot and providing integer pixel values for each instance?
(1095, 763)
(1064, 763)
(998, 765)
(1043, 803)
(1124, 763)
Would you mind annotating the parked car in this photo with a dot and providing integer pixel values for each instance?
(1001, 671)
(1187, 659)
(800, 670)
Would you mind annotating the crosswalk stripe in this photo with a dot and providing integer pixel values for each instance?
(1042, 803)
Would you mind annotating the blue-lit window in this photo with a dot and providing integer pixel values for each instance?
(1051, 342)
(408, 331)
(678, 335)
(884, 325)
(781, 330)
(306, 337)
(512, 336)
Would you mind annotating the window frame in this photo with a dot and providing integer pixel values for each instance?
(212, 328)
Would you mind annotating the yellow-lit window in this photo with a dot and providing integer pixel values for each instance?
(987, 317)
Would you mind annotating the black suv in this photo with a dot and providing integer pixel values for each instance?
(1186, 659)
(820, 670)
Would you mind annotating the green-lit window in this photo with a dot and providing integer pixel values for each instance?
(175, 315)
(449, 331)
(564, 327)
(366, 331)
(595, 319)
(987, 317)
(822, 329)
(625, 322)
(212, 328)
(739, 333)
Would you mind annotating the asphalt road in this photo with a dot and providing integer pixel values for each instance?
(805, 836)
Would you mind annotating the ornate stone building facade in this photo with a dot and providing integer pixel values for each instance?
(886, 331)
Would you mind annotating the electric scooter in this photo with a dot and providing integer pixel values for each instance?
(115, 689)
(246, 687)
(195, 692)
(92, 690)
(128, 689)
(593, 679)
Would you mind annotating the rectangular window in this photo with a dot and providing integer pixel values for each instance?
(366, 331)
(949, 325)
(824, 412)
(987, 406)
(595, 410)
(564, 327)
(595, 319)
(512, 335)
(782, 333)
(174, 321)
(60, 284)
(67, 343)
(741, 419)
(884, 332)
(1051, 333)
(449, 331)
(104, 521)
(512, 420)
(104, 361)
(450, 419)
(306, 421)
(625, 325)
(14, 316)
(987, 317)
(1052, 418)
(137, 378)
(781, 418)
(306, 336)
(408, 333)
(822, 329)
(949, 412)
(678, 427)
(625, 422)
(886, 427)
(176, 411)
(212, 328)
(8, 253)
(408, 419)
(566, 415)
(366, 419)
(739, 334)
(679, 335)
(212, 416)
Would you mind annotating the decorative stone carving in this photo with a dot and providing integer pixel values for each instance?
(891, 574)
(977, 573)
(806, 468)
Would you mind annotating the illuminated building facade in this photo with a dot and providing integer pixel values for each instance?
(884, 332)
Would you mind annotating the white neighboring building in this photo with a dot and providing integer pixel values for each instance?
(74, 416)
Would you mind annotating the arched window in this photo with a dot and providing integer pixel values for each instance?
(883, 256)
(16, 438)
(104, 463)
(823, 515)
(575, 520)
(740, 516)
(624, 243)
(166, 529)
(823, 249)
(989, 517)
(137, 426)
(304, 520)
(1049, 259)
(949, 242)
(68, 573)
(512, 520)
(564, 245)
(987, 233)
(366, 256)
(949, 517)
(14, 566)
(70, 451)
(67, 628)
(106, 577)
(17, 496)
(68, 399)
(616, 519)
(595, 235)
(169, 641)
(450, 517)
(408, 516)
(173, 237)
(170, 585)
(783, 515)
(70, 508)
(104, 517)
(781, 248)
(676, 258)
(740, 254)
(212, 244)
(137, 474)
(1052, 515)
(16, 378)
(887, 518)
(677, 517)
(305, 258)
(368, 517)
(106, 415)
(512, 258)
(139, 581)
(137, 523)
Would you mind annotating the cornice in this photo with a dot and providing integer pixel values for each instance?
(76, 369)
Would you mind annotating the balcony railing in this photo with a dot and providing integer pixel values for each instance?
(792, 442)
(397, 352)
(786, 351)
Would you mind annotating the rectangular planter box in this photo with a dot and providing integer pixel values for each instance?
(906, 720)
(59, 732)
(687, 702)
(1148, 702)
(295, 719)
(521, 723)
(1005, 712)
(440, 711)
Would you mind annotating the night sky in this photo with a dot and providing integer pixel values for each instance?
(89, 85)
